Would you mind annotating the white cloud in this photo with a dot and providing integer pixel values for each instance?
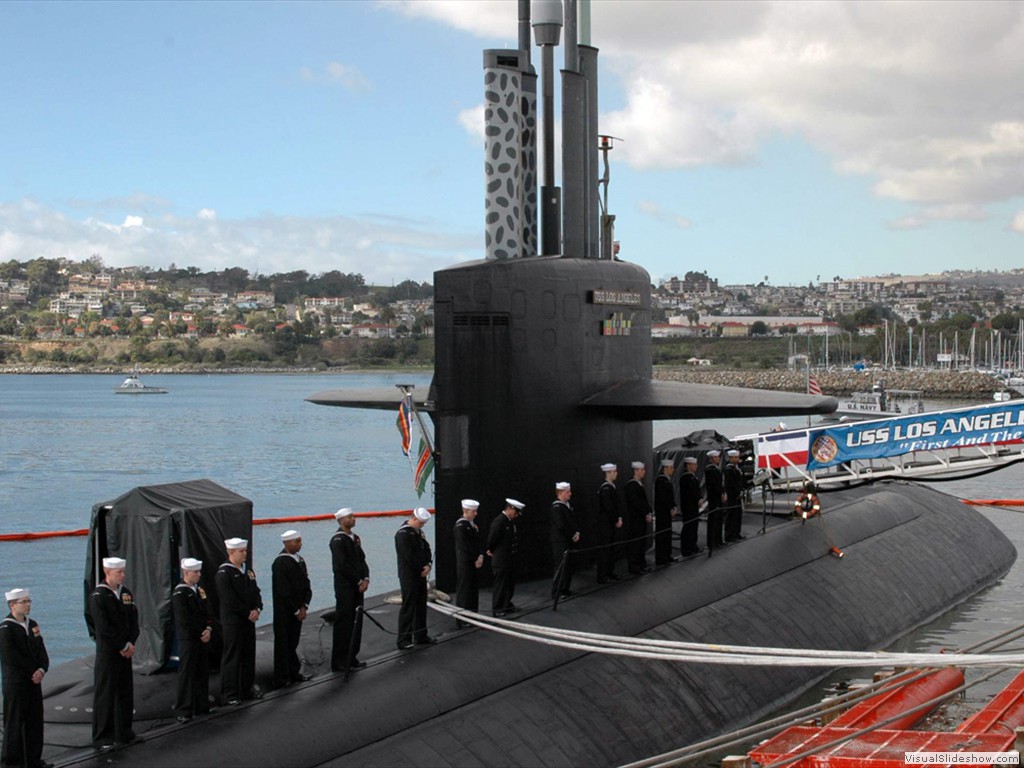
(472, 121)
(656, 212)
(952, 212)
(336, 73)
(1017, 225)
(922, 97)
(206, 214)
(381, 248)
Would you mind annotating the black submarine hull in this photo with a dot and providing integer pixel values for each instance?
(480, 698)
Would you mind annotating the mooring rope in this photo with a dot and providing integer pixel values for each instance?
(711, 653)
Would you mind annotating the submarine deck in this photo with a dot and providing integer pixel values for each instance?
(68, 701)
(476, 698)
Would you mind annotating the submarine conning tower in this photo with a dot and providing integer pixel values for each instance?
(524, 337)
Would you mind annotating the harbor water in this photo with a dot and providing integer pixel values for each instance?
(67, 442)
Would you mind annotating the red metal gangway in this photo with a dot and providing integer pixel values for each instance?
(990, 730)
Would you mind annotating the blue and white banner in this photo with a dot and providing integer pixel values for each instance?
(995, 424)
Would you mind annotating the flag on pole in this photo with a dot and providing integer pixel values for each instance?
(404, 423)
(812, 386)
(424, 466)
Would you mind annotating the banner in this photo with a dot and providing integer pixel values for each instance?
(995, 424)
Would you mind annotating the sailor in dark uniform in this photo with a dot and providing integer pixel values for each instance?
(665, 509)
(292, 594)
(414, 563)
(468, 559)
(715, 491)
(565, 535)
(115, 620)
(689, 507)
(734, 487)
(638, 518)
(351, 578)
(240, 606)
(609, 520)
(193, 627)
(24, 661)
(502, 546)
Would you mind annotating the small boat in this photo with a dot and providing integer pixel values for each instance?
(879, 403)
(133, 386)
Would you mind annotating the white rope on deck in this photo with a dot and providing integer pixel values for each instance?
(712, 653)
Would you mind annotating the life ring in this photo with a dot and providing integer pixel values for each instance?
(807, 505)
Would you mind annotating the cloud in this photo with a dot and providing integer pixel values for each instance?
(206, 214)
(381, 248)
(336, 73)
(921, 97)
(954, 212)
(656, 212)
(1017, 225)
(472, 121)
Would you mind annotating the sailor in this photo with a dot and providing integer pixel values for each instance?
(351, 579)
(468, 559)
(565, 535)
(502, 547)
(715, 491)
(638, 518)
(115, 621)
(193, 628)
(734, 487)
(292, 595)
(240, 606)
(665, 508)
(414, 563)
(609, 520)
(24, 662)
(689, 507)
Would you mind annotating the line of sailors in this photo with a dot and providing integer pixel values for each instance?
(115, 623)
(628, 509)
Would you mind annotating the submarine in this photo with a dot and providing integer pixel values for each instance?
(543, 373)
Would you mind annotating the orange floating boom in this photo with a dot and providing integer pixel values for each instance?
(256, 521)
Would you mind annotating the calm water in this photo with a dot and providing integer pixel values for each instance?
(66, 443)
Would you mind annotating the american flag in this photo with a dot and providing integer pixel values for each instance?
(812, 386)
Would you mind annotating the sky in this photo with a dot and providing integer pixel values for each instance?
(787, 141)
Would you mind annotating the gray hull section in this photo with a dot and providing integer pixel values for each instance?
(486, 699)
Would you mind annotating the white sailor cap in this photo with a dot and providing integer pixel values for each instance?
(291, 535)
(191, 564)
(732, 453)
(608, 467)
(114, 563)
(667, 463)
(713, 454)
(689, 459)
(637, 464)
(782, 425)
(514, 503)
(422, 514)
(470, 504)
(563, 486)
(16, 594)
(343, 512)
(236, 543)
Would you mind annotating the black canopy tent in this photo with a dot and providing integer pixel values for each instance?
(152, 527)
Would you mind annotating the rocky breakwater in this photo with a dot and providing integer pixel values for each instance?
(946, 385)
